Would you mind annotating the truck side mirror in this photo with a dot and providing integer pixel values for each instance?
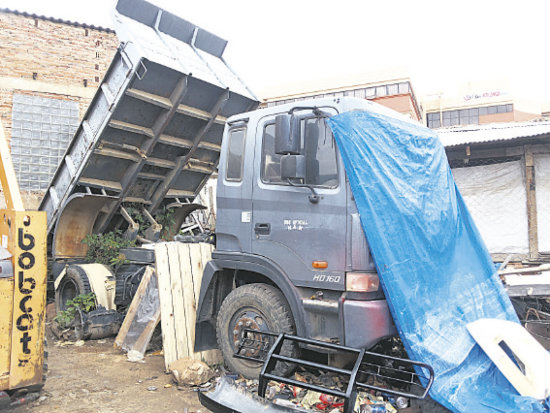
(287, 135)
(293, 167)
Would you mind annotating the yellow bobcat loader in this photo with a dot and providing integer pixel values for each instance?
(22, 287)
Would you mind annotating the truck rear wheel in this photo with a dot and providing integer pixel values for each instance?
(256, 307)
(74, 283)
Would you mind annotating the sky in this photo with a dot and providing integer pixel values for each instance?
(441, 44)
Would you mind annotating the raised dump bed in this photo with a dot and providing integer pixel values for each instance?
(153, 131)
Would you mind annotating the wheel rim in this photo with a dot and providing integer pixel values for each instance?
(247, 318)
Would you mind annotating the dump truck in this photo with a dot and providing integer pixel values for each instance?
(168, 114)
(153, 135)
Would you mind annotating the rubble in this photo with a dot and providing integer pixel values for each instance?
(295, 397)
(186, 371)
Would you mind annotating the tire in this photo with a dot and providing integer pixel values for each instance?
(265, 307)
(74, 283)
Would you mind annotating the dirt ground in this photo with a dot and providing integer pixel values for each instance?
(96, 378)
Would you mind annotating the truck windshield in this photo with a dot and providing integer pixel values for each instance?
(316, 143)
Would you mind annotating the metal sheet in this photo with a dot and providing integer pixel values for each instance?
(76, 221)
(492, 132)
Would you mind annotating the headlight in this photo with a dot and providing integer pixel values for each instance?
(362, 281)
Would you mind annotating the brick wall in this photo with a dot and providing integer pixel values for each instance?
(52, 54)
(400, 103)
(52, 60)
(56, 52)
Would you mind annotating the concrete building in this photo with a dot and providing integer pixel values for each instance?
(478, 103)
(388, 88)
(50, 71)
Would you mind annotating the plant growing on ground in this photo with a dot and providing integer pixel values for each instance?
(82, 302)
(105, 248)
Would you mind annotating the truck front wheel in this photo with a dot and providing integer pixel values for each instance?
(257, 307)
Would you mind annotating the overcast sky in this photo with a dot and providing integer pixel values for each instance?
(441, 44)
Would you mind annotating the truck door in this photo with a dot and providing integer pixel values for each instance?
(290, 230)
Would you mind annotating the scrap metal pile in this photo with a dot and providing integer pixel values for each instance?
(296, 397)
(368, 382)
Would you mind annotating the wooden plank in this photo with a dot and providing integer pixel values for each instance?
(132, 312)
(189, 296)
(177, 291)
(165, 296)
(184, 266)
(531, 203)
(134, 305)
(534, 290)
(10, 187)
(145, 337)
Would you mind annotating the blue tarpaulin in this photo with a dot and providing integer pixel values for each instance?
(434, 268)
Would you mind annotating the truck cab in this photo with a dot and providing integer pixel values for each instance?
(289, 241)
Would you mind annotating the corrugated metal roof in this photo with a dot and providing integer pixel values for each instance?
(55, 20)
(461, 135)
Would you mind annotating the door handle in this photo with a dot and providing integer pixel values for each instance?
(262, 228)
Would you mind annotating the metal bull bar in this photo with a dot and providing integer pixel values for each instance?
(369, 369)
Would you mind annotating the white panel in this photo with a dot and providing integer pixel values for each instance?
(542, 182)
(495, 196)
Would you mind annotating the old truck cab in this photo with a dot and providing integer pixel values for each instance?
(290, 250)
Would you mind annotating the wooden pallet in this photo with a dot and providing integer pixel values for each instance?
(179, 270)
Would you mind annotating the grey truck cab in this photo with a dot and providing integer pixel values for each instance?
(290, 252)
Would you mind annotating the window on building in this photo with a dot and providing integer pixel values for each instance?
(381, 91)
(235, 156)
(41, 131)
(404, 87)
(465, 116)
(317, 144)
(433, 120)
(393, 89)
(359, 93)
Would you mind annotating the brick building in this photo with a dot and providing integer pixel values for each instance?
(49, 73)
(392, 90)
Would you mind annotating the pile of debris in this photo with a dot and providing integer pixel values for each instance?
(296, 397)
